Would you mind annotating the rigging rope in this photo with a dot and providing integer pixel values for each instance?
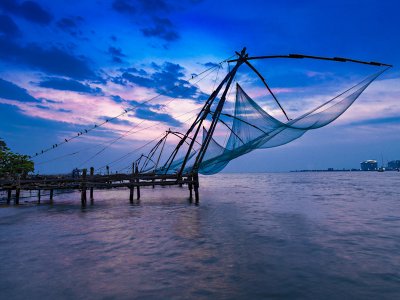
(126, 110)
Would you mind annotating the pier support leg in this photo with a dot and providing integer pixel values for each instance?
(196, 188)
(91, 188)
(131, 187)
(17, 193)
(83, 192)
(131, 191)
(38, 196)
(8, 196)
(190, 187)
(137, 181)
(51, 195)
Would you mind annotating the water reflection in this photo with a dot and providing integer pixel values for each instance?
(253, 236)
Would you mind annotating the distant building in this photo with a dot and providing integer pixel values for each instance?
(76, 173)
(394, 165)
(369, 165)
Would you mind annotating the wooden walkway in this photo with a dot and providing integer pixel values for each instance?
(92, 182)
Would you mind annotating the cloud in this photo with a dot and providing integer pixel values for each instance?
(378, 121)
(123, 6)
(139, 80)
(135, 103)
(28, 10)
(70, 25)
(134, 70)
(154, 10)
(148, 111)
(8, 28)
(53, 60)
(116, 54)
(68, 85)
(148, 7)
(163, 29)
(152, 6)
(167, 80)
(210, 65)
(11, 91)
(147, 114)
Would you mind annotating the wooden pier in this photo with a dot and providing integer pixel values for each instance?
(94, 182)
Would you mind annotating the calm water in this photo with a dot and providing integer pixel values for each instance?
(253, 236)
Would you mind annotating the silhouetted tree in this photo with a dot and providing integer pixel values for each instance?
(13, 164)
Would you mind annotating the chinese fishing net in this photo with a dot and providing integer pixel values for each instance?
(252, 128)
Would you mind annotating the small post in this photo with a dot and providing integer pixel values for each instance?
(180, 180)
(38, 196)
(131, 187)
(91, 188)
(196, 187)
(17, 193)
(83, 186)
(18, 190)
(8, 196)
(137, 181)
(51, 195)
(190, 186)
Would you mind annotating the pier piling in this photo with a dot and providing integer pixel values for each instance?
(190, 187)
(137, 181)
(17, 194)
(131, 187)
(91, 188)
(83, 187)
(196, 187)
(8, 196)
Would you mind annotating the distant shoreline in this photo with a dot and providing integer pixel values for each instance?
(339, 170)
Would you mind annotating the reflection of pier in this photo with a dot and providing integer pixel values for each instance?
(92, 182)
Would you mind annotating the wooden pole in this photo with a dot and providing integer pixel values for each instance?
(83, 186)
(17, 193)
(190, 186)
(216, 114)
(137, 181)
(131, 188)
(9, 196)
(51, 195)
(196, 187)
(38, 196)
(91, 188)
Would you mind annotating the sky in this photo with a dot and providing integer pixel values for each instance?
(68, 65)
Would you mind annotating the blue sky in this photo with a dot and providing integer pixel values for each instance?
(66, 65)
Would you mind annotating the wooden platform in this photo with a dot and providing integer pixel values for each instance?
(93, 182)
